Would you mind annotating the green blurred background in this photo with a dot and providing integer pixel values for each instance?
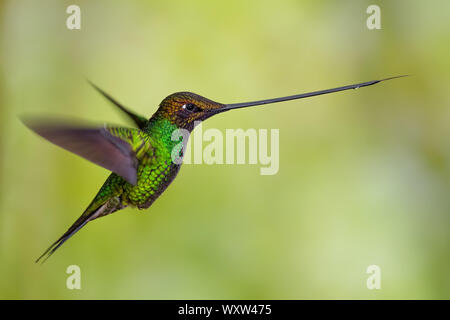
(364, 175)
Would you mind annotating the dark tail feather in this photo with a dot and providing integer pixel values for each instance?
(87, 216)
(69, 233)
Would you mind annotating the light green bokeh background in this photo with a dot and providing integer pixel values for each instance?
(364, 175)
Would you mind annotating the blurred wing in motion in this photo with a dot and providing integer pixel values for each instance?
(111, 148)
(139, 120)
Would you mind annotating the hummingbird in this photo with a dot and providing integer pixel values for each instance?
(141, 159)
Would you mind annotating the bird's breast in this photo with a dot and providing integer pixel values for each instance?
(153, 179)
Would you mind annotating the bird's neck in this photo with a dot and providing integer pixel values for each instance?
(164, 131)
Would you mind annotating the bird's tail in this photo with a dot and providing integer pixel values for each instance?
(93, 211)
(80, 223)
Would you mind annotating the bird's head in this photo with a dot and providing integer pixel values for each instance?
(186, 108)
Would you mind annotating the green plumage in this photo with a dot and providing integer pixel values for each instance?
(153, 147)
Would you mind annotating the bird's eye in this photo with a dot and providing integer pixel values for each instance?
(190, 107)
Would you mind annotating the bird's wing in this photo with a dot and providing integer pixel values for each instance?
(114, 148)
(139, 120)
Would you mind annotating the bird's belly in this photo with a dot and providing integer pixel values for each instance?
(152, 181)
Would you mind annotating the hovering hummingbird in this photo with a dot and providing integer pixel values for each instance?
(141, 159)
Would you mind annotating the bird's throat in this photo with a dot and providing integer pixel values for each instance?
(165, 132)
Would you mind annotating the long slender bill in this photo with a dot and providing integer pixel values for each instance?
(304, 95)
